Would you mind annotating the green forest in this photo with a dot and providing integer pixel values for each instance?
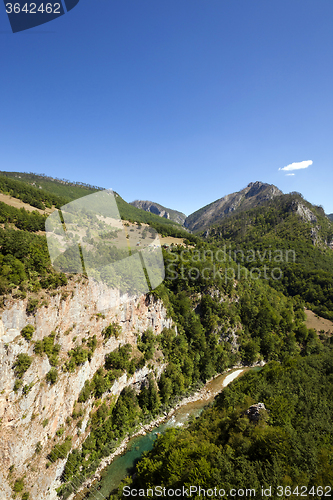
(288, 447)
(30, 194)
(58, 192)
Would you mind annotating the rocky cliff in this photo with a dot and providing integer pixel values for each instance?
(27, 419)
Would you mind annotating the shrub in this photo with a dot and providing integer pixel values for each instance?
(18, 384)
(78, 357)
(38, 347)
(32, 305)
(45, 422)
(47, 345)
(92, 343)
(27, 388)
(52, 376)
(85, 392)
(147, 344)
(60, 451)
(19, 485)
(21, 365)
(27, 332)
(118, 359)
(112, 330)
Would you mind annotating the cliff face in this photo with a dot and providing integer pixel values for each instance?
(35, 417)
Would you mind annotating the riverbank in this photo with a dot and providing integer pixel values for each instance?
(206, 393)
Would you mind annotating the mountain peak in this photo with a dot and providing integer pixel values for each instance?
(255, 194)
(256, 183)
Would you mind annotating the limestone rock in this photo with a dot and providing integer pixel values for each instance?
(35, 417)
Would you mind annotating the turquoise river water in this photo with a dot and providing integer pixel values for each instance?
(122, 465)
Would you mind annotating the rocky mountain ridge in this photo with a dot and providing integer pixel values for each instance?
(253, 195)
(160, 210)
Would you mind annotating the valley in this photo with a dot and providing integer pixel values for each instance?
(78, 378)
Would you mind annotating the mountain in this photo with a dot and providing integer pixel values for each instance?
(330, 216)
(288, 233)
(156, 208)
(286, 219)
(255, 194)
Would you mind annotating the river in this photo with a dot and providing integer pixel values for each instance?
(122, 464)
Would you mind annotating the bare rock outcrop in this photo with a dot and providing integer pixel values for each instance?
(255, 412)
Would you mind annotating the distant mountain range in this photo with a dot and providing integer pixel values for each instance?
(254, 195)
(156, 208)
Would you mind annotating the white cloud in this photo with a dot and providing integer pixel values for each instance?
(290, 174)
(297, 165)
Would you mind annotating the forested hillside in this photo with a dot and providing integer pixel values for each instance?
(41, 191)
(24, 258)
(58, 187)
(218, 326)
(289, 449)
(253, 195)
(32, 195)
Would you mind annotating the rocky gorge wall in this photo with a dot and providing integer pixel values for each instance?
(26, 420)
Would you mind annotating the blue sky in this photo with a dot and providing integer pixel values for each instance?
(174, 101)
